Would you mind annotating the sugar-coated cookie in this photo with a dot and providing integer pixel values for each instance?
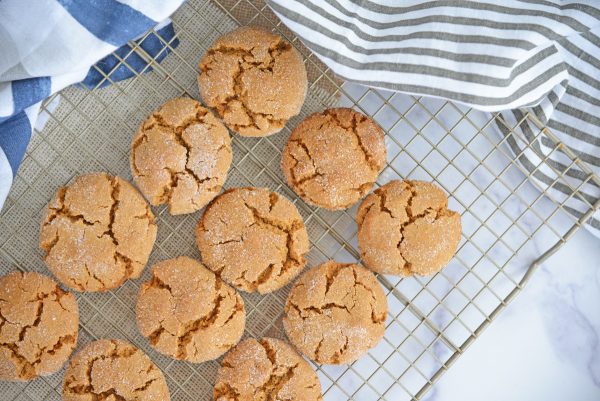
(189, 313)
(97, 233)
(333, 158)
(253, 239)
(38, 326)
(266, 369)
(406, 228)
(335, 313)
(113, 370)
(255, 80)
(180, 156)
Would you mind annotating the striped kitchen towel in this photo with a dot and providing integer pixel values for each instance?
(538, 56)
(46, 45)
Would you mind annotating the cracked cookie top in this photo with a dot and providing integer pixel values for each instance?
(253, 238)
(254, 79)
(267, 369)
(97, 233)
(189, 313)
(113, 370)
(180, 156)
(405, 228)
(335, 313)
(333, 158)
(38, 326)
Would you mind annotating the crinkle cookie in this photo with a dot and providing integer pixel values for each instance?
(266, 369)
(255, 80)
(113, 370)
(335, 313)
(180, 156)
(188, 313)
(97, 233)
(253, 239)
(38, 326)
(406, 228)
(333, 158)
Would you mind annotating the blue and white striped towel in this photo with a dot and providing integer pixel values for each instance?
(542, 55)
(46, 45)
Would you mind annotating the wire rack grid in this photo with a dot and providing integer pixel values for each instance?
(509, 225)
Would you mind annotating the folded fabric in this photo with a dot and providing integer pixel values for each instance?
(46, 45)
(542, 56)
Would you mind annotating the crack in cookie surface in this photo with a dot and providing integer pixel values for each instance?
(98, 232)
(292, 260)
(275, 370)
(188, 313)
(115, 370)
(335, 313)
(333, 158)
(372, 161)
(254, 79)
(254, 239)
(38, 326)
(240, 96)
(405, 228)
(181, 156)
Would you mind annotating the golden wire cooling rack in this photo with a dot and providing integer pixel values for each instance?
(509, 225)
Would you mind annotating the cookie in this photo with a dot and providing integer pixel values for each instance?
(405, 228)
(180, 156)
(266, 369)
(38, 326)
(335, 313)
(113, 370)
(333, 158)
(97, 233)
(253, 239)
(255, 80)
(188, 313)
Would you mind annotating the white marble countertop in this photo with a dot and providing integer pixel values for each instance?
(545, 345)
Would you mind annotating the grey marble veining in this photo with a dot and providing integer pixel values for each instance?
(545, 345)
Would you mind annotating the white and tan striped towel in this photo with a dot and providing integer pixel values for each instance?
(542, 56)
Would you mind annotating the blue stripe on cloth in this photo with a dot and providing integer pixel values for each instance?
(15, 133)
(151, 45)
(109, 20)
(27, 92)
